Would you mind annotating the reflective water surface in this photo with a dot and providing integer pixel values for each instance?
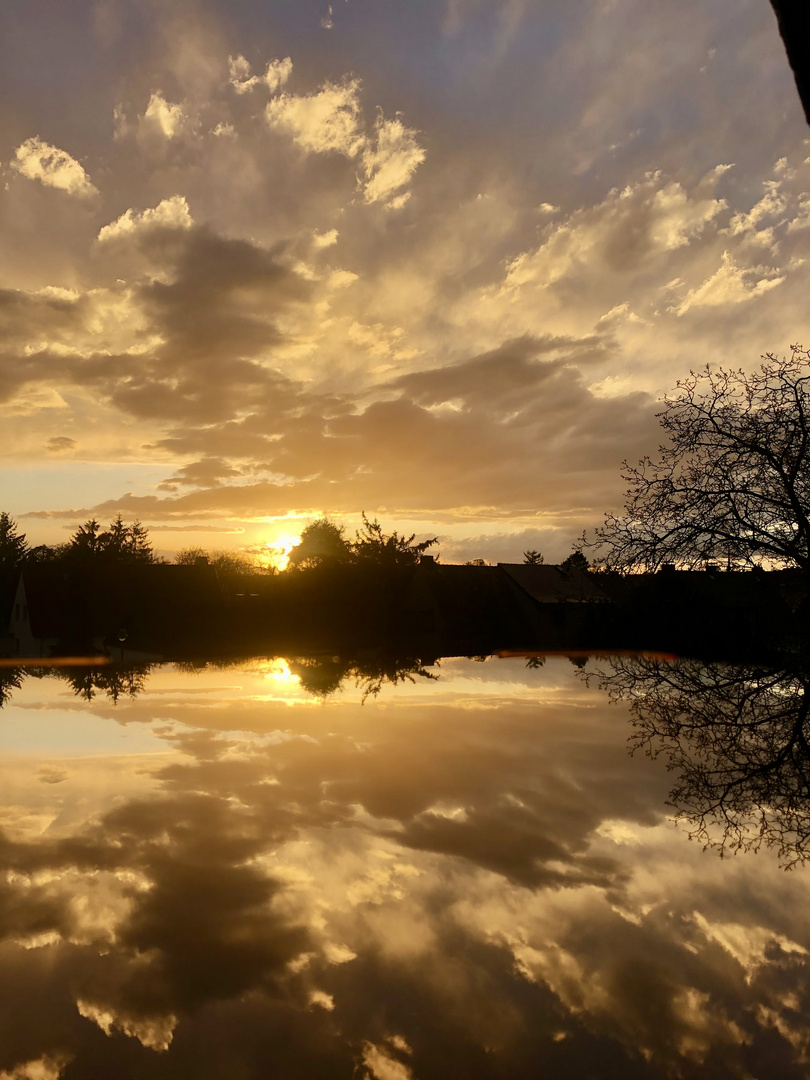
(251, 871)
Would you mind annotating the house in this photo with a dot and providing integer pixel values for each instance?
(152, 609)
(569, 608)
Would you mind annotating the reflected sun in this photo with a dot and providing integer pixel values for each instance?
(279, 671)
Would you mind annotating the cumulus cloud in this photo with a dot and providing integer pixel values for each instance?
(802, 218)
(327, 121)
(260, 339)
(240, 78)
(770, 209)
(162, 117)
(171, 213)
(331, 121)
(391, 162)
(730, 284)
(326, 239)
(38, 160)
(630, 227)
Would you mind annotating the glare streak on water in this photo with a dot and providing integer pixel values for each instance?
(468, 876)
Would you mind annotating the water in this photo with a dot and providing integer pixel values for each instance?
(228, 876)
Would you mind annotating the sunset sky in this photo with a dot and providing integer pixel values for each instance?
(431, 259)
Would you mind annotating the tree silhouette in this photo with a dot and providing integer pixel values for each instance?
(372, 547)
(13, 544)
(324, 676)
(322, 543)
(113, 681)
(733, 480)
(533, 558)
(575, 561)
(225, 563)
(11, 678)
(738, 739)
(120, 543)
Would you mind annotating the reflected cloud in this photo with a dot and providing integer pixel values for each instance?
(390, 886)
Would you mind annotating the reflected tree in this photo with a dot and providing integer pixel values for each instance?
(371, 676)
(324, 676)
(114, 682)
(11, 678)
(736, 736)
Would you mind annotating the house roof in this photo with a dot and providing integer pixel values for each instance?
(66, 601)
(548, 584)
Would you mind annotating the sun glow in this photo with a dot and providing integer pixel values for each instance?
(278, 550)
(279, 671)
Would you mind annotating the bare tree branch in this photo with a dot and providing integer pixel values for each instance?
(732, 480)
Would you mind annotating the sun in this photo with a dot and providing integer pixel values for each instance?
(278, 550)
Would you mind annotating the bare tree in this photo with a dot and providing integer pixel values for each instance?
(733, 480)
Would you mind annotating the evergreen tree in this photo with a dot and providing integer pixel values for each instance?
(120, 543)
(575, 561)
(13, 545)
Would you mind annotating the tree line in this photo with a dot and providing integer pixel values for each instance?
(90, 543)
(322, 543)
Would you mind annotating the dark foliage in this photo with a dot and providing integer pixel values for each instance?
(322, 543)
(13, 544)
(119, 543)
(372, 547)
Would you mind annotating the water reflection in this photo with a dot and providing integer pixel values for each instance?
(736, 737)
(220, 873)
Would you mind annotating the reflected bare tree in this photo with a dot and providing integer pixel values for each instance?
(736, 736)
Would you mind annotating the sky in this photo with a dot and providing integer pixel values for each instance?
(434, 260)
